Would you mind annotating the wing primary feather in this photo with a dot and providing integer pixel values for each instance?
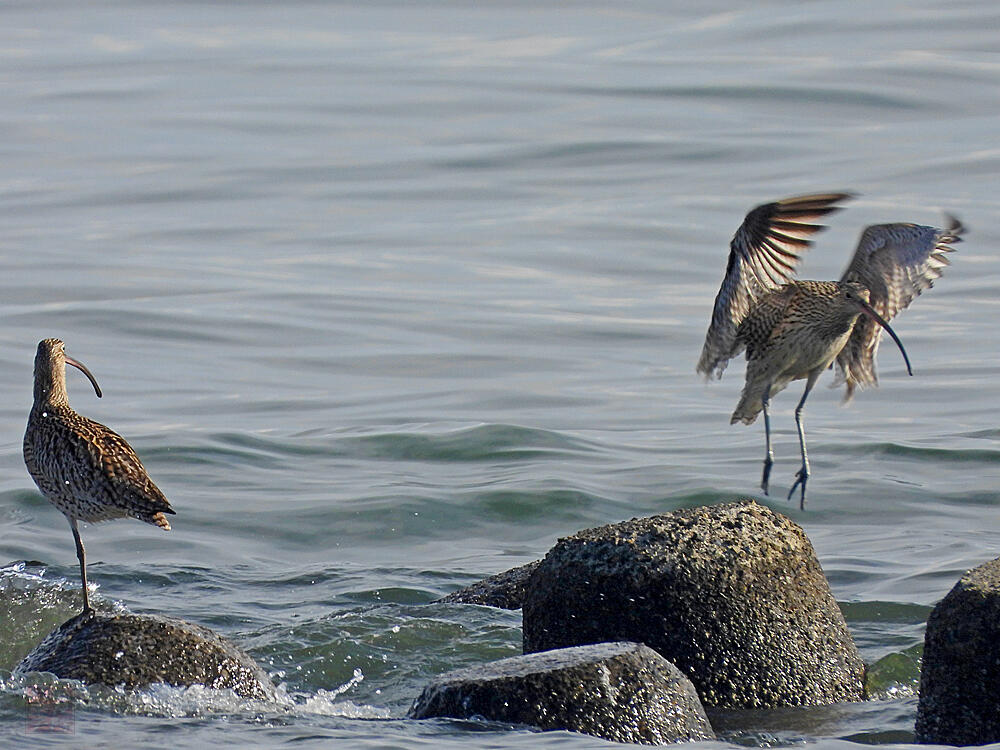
(788, 239)
(896, 263)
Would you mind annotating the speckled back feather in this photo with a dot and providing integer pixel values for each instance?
(788, 334)
(764, 256)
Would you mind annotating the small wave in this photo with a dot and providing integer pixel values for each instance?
(982, 435)
(488, 442)
(481, 443)
(886, 611)
(895, 676)
(951, 455)
(826, 95)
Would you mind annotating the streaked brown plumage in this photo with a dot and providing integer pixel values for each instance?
(794, 329)
(85, 469)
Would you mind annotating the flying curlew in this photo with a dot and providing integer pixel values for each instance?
(795, 329)
(82, 467)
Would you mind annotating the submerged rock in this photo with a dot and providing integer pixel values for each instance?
(138, 650)
(503, 590)
(960, 679)
(623, 692)
(732, 594)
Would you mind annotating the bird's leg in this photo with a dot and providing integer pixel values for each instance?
(803, 474)
(81, 555)
(768, 453)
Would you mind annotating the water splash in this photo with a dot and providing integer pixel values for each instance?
(170, 701)
(324, 703)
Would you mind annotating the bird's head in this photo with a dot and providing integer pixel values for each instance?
(857, 296)
(50, 371)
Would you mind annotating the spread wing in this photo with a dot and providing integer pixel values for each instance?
(896, 262)
(763, 256)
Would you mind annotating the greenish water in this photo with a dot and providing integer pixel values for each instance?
(389, 297)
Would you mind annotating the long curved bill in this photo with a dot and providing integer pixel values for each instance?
(93, 380)
(885, 324)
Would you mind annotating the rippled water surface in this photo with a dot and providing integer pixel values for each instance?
(389, 296)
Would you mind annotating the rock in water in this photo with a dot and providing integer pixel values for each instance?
(503, 590)
(960, 678)
(732, 594)
(624, 692)
(138, 650)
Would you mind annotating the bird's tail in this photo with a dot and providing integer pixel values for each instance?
(748, 408)
(759, 382)
(158, 519)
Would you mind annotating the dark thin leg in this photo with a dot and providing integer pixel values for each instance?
(768, 453)
(81, 555)
(803, 474)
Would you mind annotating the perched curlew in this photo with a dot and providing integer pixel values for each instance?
(794, 329)
(83, 468)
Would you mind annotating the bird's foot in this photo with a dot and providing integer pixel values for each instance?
(765, 477)
(801, 477)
